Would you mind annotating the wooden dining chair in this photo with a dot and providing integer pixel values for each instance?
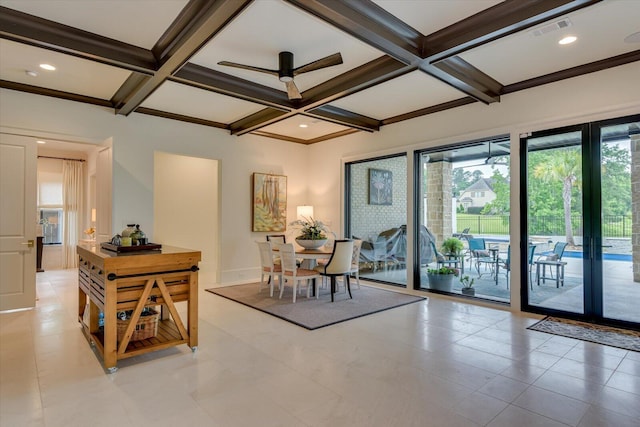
(339, 265)
(268, 267)
(292, 274)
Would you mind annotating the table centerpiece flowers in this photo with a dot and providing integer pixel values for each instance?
(312, 233)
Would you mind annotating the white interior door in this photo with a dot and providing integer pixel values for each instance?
(18, 174)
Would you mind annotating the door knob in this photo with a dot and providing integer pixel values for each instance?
(28, 243)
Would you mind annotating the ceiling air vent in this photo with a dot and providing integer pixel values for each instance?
(548, 28)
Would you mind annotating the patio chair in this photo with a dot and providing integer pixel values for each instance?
(479, 254)
(442, 261)
(554, 255)
(464, 234)
(506, 263)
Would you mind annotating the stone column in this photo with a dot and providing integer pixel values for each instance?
(635, 205)
(439, 194)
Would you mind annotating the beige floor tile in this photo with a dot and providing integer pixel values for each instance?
(436, 363)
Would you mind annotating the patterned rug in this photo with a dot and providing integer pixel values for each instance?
(614, 337)
(312, 313)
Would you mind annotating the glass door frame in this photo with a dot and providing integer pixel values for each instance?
(592, 255)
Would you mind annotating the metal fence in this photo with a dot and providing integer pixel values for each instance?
(612, 225)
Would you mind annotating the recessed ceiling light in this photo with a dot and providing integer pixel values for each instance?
(41, 142)
(303, 125)
(47, 67)
(567, 40)
(31, 73)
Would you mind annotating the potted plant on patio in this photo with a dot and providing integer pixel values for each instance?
(441, 278)
(467, 285)
(452, 246)
(312, 233)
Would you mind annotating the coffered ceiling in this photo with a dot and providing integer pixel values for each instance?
(401, 59)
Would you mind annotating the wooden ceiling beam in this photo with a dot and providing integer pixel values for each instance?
(37, 90)
(226, 84)
(493, 23)
(198, 23)
(258, 120)
(343, 117)
(32, 30)
(365, 76)
(458, 73)
(370, 23)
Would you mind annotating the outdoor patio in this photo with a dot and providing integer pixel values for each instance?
(621, 293)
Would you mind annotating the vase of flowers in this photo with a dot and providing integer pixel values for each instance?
(312, 233)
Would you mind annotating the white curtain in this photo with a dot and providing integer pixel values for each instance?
(73, 208)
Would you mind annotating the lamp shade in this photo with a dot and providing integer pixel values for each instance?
(93, 215)
(305, 211)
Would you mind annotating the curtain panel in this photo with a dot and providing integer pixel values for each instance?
(73, 207)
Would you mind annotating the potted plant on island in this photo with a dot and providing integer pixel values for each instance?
(441, 278)
(467, 285)
(312, 233)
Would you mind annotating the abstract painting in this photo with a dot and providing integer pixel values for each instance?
(380, 187)
(269, 202)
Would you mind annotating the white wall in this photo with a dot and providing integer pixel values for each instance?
(136, 138)
(595, 96)
(188, 181)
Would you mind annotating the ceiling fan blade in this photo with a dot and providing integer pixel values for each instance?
(292, 90)
(329, 61)
(248, 67)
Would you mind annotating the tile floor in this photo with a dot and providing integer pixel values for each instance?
(433, 363)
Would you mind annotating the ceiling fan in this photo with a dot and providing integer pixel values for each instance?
(286, 72)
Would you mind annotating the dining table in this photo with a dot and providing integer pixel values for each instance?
(309, 257)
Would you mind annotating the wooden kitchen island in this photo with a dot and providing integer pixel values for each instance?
(112, 282)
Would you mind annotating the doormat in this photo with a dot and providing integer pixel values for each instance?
(312, 313)
(600, 334)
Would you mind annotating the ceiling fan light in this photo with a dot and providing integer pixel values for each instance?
(285, 79)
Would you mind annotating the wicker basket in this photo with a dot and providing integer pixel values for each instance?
(147, 327)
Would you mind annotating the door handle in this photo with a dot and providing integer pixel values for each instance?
(28, 243)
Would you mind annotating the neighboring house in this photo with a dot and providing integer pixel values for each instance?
(477, 194)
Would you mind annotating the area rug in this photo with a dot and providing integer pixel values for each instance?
(312, 313)
(614, 337)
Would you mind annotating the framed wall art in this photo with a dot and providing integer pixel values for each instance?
(380, 187)
(269, 204)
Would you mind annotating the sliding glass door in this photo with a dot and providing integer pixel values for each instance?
(376, 202)
(582, 186)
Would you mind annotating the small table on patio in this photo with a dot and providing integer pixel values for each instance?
(559, 265)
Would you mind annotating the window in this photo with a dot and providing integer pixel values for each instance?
(50, 199)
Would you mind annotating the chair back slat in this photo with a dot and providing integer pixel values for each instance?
(477, 244)
(266, 254)
(276, 239)
(287, 257)
(558, 249)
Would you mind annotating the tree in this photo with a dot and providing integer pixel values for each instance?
(461, 180)
(565, 166)
(501, 204)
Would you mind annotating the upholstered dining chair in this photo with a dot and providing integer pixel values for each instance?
(339, 265)
(292, 274)
(355, 260)
(268, 267)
